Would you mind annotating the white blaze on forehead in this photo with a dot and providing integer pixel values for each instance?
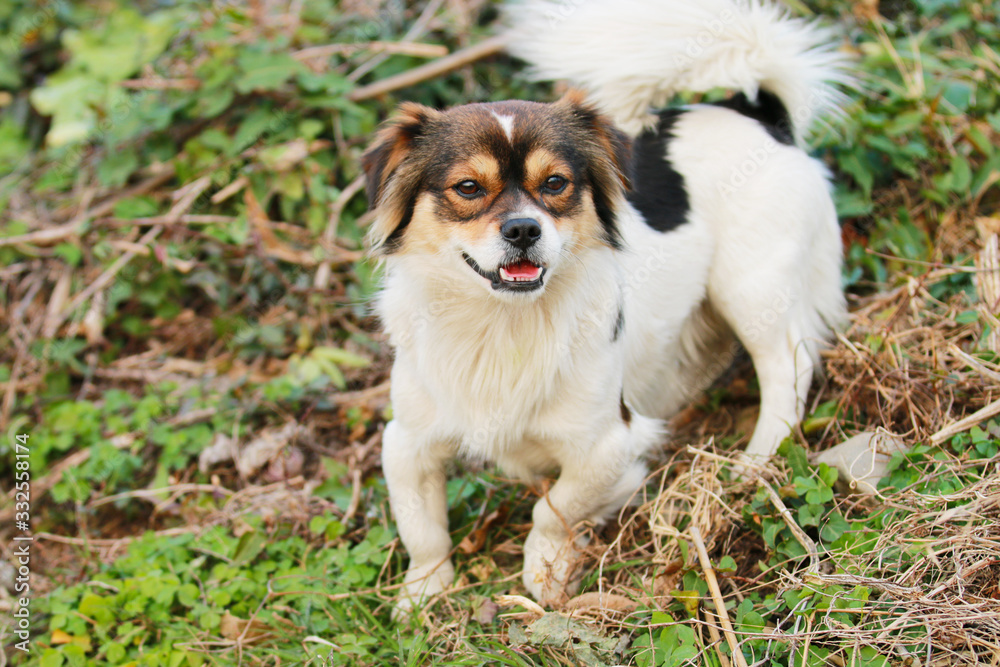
(507, 123)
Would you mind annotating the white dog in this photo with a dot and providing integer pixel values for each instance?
(555, 286)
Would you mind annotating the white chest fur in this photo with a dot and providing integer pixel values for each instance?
(490, 377)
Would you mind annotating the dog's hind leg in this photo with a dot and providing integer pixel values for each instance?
(781, 320)
(772, 308)
(775, 280)
(784, 368)
(416, 480)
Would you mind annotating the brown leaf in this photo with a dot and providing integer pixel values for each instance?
(233, 627)
(61, 637)
(595, 600)
(484, 612)
(475, 540)
(272, 245)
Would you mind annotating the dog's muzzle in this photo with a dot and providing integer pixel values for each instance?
(520, 276)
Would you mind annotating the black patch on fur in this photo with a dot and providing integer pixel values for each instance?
(767, 110)
(626, 413)
(606, 214)
(395, 239)
(619, 324)
(619, 148)
(658, 189)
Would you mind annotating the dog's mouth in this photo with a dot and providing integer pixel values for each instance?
(520, 276)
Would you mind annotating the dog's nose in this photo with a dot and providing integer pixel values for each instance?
(522, 232)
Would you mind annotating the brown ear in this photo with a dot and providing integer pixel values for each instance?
(609, 161)
(392, 183)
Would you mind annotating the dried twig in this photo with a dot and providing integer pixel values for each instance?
(362, 395)
(188, 194)
(415, 32)
(98, 543)
(322, 278)
(108, 205)
(416, 49)
(168, 220)
(720, 604)
(966, 423)
(411, 77)
(44, 237)
(155, 496)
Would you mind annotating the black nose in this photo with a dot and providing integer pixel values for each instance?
(521, 232)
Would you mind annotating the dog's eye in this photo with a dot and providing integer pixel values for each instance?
(555, 184)
(468, 189)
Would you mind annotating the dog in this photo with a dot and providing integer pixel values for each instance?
(561, 277)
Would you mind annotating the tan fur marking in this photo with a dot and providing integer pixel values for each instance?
(584, 228)
(540, 165)
(482, 168)
(428, 234)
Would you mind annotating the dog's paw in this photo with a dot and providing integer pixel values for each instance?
(550, 572)
(420, 584)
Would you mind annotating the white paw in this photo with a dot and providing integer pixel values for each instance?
(421, 583)
(550, 569)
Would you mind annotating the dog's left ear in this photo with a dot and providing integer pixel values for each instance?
(609, 157)
(393, 181)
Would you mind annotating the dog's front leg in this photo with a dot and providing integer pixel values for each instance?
(591, 486)
(416, 480)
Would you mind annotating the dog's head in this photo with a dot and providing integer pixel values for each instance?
(503, 193)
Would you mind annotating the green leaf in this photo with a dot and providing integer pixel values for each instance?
(862, 173)
(263, 70)
(960, 174)
(250, 545)
(136, 207)
(771, 531)
(317, 524)
(809, 515)
(96, 607)
(115, 652)
(798, 458)
(117, 166)
(328, 81)
(124, 44)
(827, 475)
(836, 525)
(340, 357)
(819, 496)
(209, 620)
(69, 99)
(958, 94)
(69, 252)
(51, 658)
(258, 122)
(188, 595)
(726, 564)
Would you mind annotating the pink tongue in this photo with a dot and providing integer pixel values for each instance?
(523, 269)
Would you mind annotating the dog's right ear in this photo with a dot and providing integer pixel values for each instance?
(393, 182)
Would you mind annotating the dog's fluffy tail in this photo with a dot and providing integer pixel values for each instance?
(634, 55)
